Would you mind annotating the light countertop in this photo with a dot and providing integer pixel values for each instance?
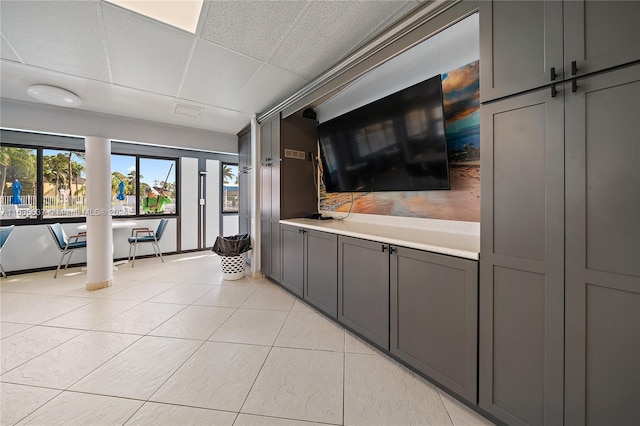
(465, 245)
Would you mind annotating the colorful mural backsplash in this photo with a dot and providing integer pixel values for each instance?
(461, 96)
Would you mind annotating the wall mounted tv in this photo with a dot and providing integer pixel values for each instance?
(396, 143)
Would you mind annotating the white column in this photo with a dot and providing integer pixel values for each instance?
(99, 231)
(255, 198)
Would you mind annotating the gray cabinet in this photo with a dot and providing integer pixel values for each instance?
(522, 259)
(363, 288)
(434, 308)
(269, 142)
(522, 42)
(310, 266)
(287, 188)
(292, 249)
(602, 133)
(321, 271)
(599, 35)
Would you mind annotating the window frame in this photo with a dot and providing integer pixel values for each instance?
(39, 219)
(222, 212)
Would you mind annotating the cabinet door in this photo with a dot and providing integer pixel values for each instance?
(520, 42)
(276, 267)
(434, 317)
(522, 260)
(363, 288)
(603, 250)
(265, 247)
(292, 253)
(321, 271)
(600, 35)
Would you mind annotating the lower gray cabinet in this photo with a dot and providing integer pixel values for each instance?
(291, 244)
(310, 266)
(363, 288)
(434, 317)
(321, 271)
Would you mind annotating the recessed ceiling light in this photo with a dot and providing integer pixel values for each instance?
(54, 96)
(182, 14)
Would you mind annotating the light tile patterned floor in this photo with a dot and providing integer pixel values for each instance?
(175, 344)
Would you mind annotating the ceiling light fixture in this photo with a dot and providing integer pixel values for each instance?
(54, 96)
(183, 14)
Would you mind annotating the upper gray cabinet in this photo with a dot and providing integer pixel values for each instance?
(600, 35)
(520, 46)
(522, 42)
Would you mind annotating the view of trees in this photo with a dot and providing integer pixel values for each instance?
(18, 163)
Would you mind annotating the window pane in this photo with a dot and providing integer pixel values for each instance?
(123, 185)
(64, 180)
(18, 170)
(229, 188)
(157, 186)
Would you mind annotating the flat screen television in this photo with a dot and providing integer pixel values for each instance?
(396, 143)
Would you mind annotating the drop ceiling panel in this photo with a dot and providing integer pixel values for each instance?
(6, 51)
(116, 100)
(58, 35)
(145, 54)
(216, 75)
(327, 32)
(250, 27)
(269, 86)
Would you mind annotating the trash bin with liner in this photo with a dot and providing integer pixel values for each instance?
(233, 254)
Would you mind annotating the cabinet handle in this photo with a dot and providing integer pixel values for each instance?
(384, 247)
(392, 249)
(574, 68)
(574, 85)
(554, 91)
(553, 73)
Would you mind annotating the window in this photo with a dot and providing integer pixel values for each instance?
(123, 185)
(64, 188)
(18, 170)
(157, 186)
(230, 188)
(49, 184)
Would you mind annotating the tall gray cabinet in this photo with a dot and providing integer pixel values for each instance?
(560, 235)
(602, 137)
(287, 188)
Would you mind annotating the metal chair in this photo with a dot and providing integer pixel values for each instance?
(5, 232)
(66, 244)
(146, 235)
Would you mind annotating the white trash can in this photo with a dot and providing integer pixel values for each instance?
(233, 266)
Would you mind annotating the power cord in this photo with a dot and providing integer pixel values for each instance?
(321, 176)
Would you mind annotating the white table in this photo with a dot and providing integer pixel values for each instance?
(114, 225)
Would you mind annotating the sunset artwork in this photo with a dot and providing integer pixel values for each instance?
(461, 98)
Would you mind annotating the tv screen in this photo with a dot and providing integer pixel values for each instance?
(396, 143)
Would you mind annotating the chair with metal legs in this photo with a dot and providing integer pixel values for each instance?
(66, 244)
(146, 235)
(5, 232)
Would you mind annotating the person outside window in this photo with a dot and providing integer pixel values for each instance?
(154, 202)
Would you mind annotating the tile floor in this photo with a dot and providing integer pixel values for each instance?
(175, 344)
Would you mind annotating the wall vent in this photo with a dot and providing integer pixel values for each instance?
(297, 155)
(188, 110)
